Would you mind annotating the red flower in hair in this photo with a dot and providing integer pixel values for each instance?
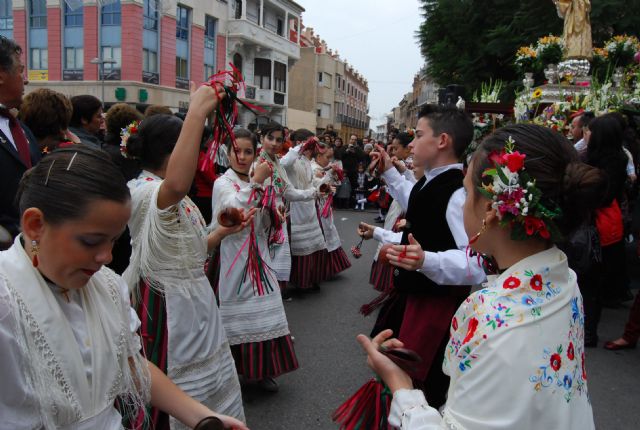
(497, 158)
(514, 161)
(471, 330)
(533, 225)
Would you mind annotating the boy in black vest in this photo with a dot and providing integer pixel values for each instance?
(433, 274)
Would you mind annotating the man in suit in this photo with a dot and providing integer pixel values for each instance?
(18, 148)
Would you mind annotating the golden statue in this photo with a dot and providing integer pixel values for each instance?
(577, 27)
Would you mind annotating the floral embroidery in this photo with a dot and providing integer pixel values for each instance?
(522, 294)
(536, 283)
(511, 283)
(473, 325)
(570, 351)
(568, 375)
(556, 361)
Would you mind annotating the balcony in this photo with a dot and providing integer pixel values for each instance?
(251, 33)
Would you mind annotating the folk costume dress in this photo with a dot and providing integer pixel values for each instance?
(284, 193)
(334, 260)
(250, 303)
(181, 326)
(381, 276)
(422, 302)
(67, 355)
(515, 357)
(307, 241)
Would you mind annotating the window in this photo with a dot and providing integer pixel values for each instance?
(209, 32)
(262, 73)
(39, 59)
(111, 53)
(182, 24)
(110, 14)
(209, 71)
(150, 15)
(38, 14)
(72, 17)
(6, 15)
(73, 58)
(280, 77)
(182, 68)
(323, 110)
(149, 61)
(319, 78)
(280, 29)
(253, 11)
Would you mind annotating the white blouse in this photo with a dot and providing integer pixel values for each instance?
(515, 357)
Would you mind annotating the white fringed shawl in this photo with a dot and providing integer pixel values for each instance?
(164, 241)
(53, 369)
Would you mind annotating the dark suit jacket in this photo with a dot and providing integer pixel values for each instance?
(11, 171)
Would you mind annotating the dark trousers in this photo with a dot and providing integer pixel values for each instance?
(632, 328)
(593, 293)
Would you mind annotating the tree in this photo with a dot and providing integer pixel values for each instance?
(468, 42)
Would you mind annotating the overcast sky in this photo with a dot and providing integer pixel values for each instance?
(377, 37)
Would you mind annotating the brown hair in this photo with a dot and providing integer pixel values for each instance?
(152, 110)
(553, 162)
(67, 180)
(46, 112)
(118, 117)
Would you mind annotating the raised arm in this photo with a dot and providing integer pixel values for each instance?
(183, 161)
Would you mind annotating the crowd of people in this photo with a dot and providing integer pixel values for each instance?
(142, 282)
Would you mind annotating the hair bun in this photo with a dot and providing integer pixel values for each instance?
(583, 187)
(135, 146)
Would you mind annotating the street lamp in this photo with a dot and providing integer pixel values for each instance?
(101, 63)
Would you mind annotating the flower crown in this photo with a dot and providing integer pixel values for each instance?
(125, 133)
(516, 199)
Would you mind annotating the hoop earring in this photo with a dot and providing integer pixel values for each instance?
(475, 238)
(35, 248)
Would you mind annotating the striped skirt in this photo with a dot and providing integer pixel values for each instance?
(267, 359)
(336, 261)
(152, 312)
(307, 270)
(381, 276)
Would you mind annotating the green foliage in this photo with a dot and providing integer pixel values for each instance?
(468, 42)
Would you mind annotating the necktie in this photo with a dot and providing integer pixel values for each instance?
(19, 137)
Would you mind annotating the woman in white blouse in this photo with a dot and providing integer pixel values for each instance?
(516, 353)
(68, 345)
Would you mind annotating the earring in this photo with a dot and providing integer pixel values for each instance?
(35, 248)
(475, 238)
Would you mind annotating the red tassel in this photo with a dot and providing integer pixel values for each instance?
(34, 260)
(376, 303)
(367, 409)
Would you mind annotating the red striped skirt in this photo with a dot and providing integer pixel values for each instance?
(307, 270)
(267, 359)
(152, 312)
(336, 262)
(381, 276)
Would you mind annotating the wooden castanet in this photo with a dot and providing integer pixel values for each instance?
(230, 217)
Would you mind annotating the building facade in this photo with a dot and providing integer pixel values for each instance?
(424, 91)
(326, 90)
(147, 51)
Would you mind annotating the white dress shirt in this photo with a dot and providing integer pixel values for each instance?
(450, 267)
(4, 127)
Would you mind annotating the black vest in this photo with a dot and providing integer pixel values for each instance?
(427, 221)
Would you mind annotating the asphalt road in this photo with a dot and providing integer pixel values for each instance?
(332, 365)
